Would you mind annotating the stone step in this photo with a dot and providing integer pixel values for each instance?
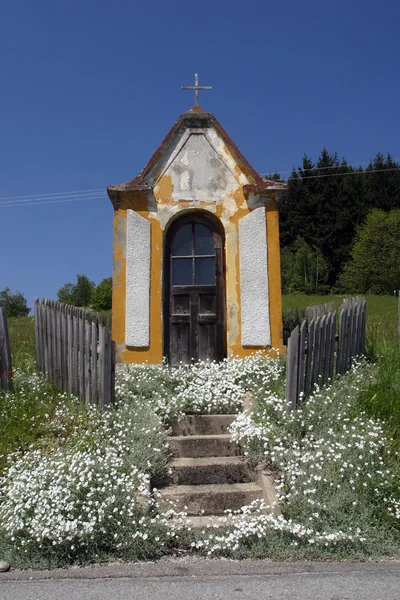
(201, 471)
(209, 522)
(198, 446)
(211, 499)
(202, 424)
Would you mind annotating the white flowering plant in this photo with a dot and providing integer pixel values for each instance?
(335, 470)
(202, 388)
(81, 489)
(81, 492)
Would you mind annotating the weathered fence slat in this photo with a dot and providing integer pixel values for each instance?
(88, 372)
(315, 354)
(292, 369)
(341, 344)
(5, 352)
(81, 357)
(321, 366)
(302, 354)
(70, 364)
(94, 364)
(53, 329)
(327, 347)
(332, 340)
(101, 365)
(310, 350)
(107, 368)
(75, 382)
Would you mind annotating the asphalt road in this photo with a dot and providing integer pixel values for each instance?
(194, 579)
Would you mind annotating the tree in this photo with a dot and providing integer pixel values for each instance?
(102, 297)
(383, 182)
(78, 294)
(374, 266)
(66, 293)
(84, 290)
(323, 204)
(16, 304)
(304, 269)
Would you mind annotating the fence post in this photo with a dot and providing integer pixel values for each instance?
(292, 370)
(37, 333)
(302, 353)
(5, 352)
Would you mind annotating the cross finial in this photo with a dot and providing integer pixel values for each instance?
(196, 87)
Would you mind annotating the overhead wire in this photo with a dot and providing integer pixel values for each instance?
(49, 201)
(343, 174)
(74, 193)
(99, 193)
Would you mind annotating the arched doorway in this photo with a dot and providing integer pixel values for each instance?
(194, 294)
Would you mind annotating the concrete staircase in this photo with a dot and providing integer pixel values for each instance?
(208, 475)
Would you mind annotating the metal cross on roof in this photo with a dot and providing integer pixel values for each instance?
(196, 87)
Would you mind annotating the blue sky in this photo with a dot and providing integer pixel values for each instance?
(90, 88)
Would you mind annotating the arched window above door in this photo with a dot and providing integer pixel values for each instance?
(193, 255)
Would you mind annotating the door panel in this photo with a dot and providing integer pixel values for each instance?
(193, 302)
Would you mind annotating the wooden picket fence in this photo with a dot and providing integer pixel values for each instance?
(315, 352)
(5, 352)
(292, 318)
(75, 350)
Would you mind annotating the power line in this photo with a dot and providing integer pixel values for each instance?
(69, 197)
(12, 205)
(343, 174)
(50, 198)
(42, 196)
(45, 196)
(353, 166)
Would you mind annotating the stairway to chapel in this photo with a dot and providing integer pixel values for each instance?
(208, 475)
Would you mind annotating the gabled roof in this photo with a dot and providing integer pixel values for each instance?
(196, 117)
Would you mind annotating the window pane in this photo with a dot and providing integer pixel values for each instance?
(204, 241)
(183, 241)
(182, 273)
(205, 271)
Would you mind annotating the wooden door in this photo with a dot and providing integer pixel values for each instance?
(194, 291)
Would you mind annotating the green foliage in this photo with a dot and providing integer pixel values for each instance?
(374, 265)
(27, 415)
(66, 293)
(327, 200)
(102, 296)
(304, 269)
(382, 399)
(16, 304)
(79, 293)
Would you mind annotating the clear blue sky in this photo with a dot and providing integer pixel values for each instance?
(90, 88)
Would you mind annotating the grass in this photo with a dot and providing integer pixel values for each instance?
(22, 338)
(382, 315)
(26, 415)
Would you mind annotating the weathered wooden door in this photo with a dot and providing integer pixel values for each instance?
(194, 291)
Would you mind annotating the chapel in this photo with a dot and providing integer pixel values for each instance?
(196, 263)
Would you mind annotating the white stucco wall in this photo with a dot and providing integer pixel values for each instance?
(253, 255)
(137, 310)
